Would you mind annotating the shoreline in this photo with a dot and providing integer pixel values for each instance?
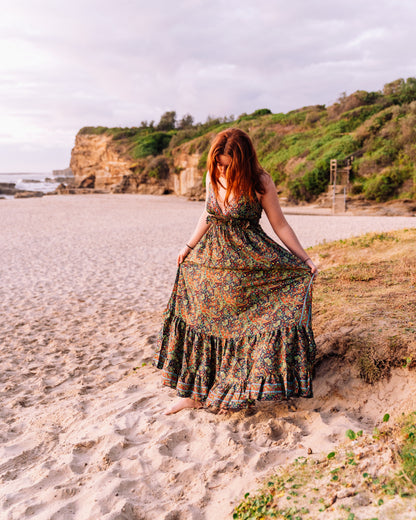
(355, 207)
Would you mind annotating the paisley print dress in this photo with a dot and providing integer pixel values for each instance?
(237, 327)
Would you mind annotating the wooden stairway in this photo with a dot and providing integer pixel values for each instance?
(339, 185)
(337, 193)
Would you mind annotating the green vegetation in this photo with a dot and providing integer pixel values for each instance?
(157, 168)
(408, 449)
(340, 482)
(366, 284)
(375, 129)
(152, 144)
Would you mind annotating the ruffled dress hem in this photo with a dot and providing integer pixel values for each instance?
(233, 373)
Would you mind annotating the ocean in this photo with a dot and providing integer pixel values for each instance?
(30, 182)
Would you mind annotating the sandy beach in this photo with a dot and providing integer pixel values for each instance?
(84, 281)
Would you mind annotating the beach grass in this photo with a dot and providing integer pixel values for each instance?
(364, 302)
(365, 319)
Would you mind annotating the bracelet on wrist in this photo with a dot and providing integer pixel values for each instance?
(187, 245)
(306, 259)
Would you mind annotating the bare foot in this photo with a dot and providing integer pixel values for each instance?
(184, 402)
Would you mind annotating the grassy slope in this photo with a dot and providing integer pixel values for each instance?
(365, 305)
(364, 315)
(377, 128)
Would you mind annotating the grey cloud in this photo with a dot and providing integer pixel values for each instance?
(94, 62)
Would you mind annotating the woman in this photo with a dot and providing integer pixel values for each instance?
(237, 327)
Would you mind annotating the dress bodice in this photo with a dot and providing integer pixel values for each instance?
(241, 209)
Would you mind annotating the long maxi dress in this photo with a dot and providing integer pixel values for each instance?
(237, 327)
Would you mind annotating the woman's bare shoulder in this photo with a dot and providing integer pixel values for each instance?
(266, 181)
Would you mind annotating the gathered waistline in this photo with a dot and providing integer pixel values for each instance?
(227, 219)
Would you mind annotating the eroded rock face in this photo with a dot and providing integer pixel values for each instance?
(187, 178)
(97, 156)
(100, 163)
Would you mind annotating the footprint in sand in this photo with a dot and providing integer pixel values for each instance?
(269, 458)
(176, 444)
(81, 456)
(68, 511)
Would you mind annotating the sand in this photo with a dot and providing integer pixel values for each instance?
(84, 280)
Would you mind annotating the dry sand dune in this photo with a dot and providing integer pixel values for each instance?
(84, 280)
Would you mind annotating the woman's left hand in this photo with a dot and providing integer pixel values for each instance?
(312, 266)
(183, 253)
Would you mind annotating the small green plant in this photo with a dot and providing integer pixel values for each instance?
(351, 435)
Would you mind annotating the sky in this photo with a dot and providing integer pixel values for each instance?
(69, 64)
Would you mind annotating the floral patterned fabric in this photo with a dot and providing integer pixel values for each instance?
(237, 327)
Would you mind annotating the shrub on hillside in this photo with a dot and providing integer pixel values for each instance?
(93, 130)
(313, 117)
(400, 91)
(158, 168)
(309, 186)
(261, 112)
(357, 99)
(152, 144)
(125, 133)
(202, 163)
(385, 185)
(182, 136)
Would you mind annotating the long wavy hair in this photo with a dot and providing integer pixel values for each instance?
(243, 175)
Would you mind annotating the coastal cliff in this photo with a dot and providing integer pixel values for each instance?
(368, 137)
(97, 163)
(103, 163)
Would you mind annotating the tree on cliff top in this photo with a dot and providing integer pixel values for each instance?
(167, 121)
(186, 122)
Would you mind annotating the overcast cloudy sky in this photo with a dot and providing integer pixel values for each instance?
(69, 64)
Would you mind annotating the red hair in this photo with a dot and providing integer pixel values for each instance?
(243, 174)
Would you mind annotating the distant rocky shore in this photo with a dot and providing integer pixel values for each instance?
(43, 186)
(9, 188)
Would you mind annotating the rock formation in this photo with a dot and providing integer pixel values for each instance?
(8, 188)
(187, 179)
(98, 159)
(100, 163)
(20, 194)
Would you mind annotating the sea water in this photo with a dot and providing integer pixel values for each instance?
(44, 182)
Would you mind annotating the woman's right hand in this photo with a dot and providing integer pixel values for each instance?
(312, 266)
(183, 253)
